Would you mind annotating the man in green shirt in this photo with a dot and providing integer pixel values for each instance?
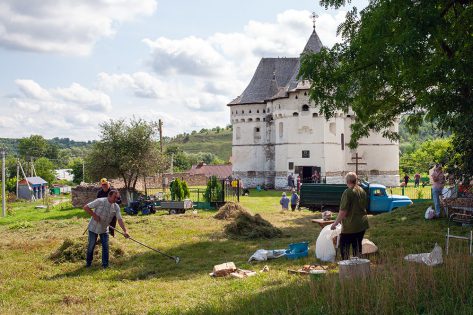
(353, 217)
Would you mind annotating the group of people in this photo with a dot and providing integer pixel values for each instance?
(294, 201)
(416, 179)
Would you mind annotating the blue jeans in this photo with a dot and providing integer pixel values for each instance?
(91, 247)
(436, 192)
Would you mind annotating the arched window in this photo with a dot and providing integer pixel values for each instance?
(305, 108)
(315, 115)
(236, 112)
(250, 119)
(295, 114)
(297, 97)
(305, 93)
(242, 120)
(257, 119)
(242, 111)
(257, 111)
(250, 111)
(281, 130)
(342, 141)
(264, 111)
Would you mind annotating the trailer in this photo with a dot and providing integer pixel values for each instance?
(175, 207)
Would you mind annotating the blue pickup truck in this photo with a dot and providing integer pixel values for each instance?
(320, 196)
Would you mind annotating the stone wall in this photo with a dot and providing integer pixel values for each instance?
(83, 194)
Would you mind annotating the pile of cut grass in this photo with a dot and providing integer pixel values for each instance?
(230, 210)
(75, 250)
(247, 226)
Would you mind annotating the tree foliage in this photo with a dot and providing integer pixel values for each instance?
(45, 169)
(425, 156)
(399, 57)
(179, 189)
(214, 190)
(127, 150)
(36, 146)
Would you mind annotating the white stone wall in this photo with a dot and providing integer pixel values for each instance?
(266, 153)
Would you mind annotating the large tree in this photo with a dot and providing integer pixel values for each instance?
(400, 57)
(127, 150)
(36, 146)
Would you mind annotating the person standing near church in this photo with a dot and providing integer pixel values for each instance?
(353, 217)
(416, 180)
(290, 181)
(294, 200)
(284, 202)
(438, 179)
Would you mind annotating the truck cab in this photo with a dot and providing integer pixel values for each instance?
(379, 201)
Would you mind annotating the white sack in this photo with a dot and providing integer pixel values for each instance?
(431, 259)
(324, 249)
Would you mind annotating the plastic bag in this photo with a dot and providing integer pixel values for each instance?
(324, 249)
(263, 254)
(431, 259)
(429, 213)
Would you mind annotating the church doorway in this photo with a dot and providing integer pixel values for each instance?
(309, 174)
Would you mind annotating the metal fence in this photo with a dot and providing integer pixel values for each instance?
(416, 194)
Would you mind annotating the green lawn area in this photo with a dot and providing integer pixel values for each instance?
(144, 282)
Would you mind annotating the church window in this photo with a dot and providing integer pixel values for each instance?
(242, 120)
(281, 130)
(297, 97)
(250, 111)
(238, 133)
(348, 116)
(291, 165)
(295, 114)
(268, 111)
(264, 111)
(305, 154)
(315, 115)
(257, 111)
(264, 119)
(242, 111)
(250, 119)
(305, 108)
(305, 93)
(236, 112)
(342, 141)
(257, 129)
(332, 128)
(257, 119)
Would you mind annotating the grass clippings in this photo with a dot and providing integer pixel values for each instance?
(75, 250)
(247, 226)
(230, 210)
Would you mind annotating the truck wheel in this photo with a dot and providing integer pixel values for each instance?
(172, 211)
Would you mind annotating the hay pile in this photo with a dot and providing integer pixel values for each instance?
(75, 250)
(247, 226)
(230, 211)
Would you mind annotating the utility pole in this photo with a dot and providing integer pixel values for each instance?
(160, 128)
(32, 167)
(172, 163)
(4, 205)
(17, 177)
(83, 171)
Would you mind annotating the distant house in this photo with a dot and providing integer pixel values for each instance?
(65, 173)
(37, 187)
(220, 171)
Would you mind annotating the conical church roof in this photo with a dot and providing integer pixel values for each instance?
(274, 77)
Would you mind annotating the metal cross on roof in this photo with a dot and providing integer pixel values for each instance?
(314, 17)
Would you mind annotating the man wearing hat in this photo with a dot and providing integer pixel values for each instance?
(102, 193)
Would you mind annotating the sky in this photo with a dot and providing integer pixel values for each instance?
(69, 65)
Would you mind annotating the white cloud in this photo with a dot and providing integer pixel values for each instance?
(67, 26)
(73, 111)
(142, 84)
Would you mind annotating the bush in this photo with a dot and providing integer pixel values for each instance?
(179, 190)
(214, 190)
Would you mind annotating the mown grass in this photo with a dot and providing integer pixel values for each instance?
(144, 282)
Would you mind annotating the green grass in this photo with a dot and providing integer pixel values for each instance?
(144, 282)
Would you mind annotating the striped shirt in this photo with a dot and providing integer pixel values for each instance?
(106, 211)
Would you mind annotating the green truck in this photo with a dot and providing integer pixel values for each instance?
(320, 196)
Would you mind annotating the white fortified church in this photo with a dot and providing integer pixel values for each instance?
(278, 131)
